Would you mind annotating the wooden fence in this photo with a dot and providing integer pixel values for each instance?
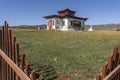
(12, 65)
(111, 69)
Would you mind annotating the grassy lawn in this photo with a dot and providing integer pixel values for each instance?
(79, 54)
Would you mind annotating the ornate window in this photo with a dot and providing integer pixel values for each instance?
(63, 23)
(75, 23)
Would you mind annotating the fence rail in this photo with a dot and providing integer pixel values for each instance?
(113, 74)
(13, 67)
(111, 69)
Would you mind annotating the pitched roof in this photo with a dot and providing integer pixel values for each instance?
(65, 16)
(66, 13)
(65, 10)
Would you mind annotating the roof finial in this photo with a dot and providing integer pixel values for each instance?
(67, 7)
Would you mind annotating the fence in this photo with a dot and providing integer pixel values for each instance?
(12, 65)
(111, 69)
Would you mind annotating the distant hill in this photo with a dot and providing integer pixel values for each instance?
(95, 27)
(30, 26)
(104, 27)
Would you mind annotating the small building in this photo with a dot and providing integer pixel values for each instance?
(65, 20)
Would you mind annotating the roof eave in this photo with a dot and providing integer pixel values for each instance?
(51, 16)
(86, 19)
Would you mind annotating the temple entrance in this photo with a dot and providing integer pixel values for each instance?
(76, 24)
(50, 24)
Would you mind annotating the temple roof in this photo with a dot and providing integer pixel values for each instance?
(65, 16)
(66, 10)
(66, 13)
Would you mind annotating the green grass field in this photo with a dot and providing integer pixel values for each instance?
(79, 54)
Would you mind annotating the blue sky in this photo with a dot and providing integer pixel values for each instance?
(31, 12)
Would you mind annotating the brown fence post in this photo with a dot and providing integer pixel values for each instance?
(104, 69)
(115, 56)
(27, 68)
(22, 63)
(17, 56)
(98, 77)
(13, 55)
(41, 78)
(17, 53)
(0, 38)
(0, 56)
(110, 62)
(10, 51)
(32, 75)
(4, 65)
(7, 48)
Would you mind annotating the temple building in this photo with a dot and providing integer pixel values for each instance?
(65, 20)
